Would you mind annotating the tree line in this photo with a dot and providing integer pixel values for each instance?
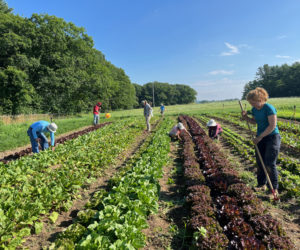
(48, 65)
(168, 94)
(279, 81)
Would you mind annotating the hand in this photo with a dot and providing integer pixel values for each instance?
(37, 139)
(244, 115)
(257, 140)
(53, 148)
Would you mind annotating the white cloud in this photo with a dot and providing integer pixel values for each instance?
(284, 57)
(221, 72)
(233, 50)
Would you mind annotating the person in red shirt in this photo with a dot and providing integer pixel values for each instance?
(214, 129)
(97, 108)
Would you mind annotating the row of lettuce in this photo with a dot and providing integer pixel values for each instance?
(40, 186)
(289, 132)
(225, 213)
(289, 169)
(115, 218)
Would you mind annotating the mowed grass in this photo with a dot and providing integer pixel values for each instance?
(14, 135)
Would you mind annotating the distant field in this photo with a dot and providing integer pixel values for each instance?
(14, 135)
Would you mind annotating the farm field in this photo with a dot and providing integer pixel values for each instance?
(119, 187)
(12, 135)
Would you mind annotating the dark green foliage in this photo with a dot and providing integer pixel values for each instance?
(49, 65)
(279, 81)
(168, 94)
(4, 8)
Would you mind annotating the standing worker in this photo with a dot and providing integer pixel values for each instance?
(214, 129)
(267, 137)
(96, 111)
(147, 114)
(162, 109)
(36, 131)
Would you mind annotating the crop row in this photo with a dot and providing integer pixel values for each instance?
(289, 177)
(246, 147)
(114, 219)
(239, 212)
(43, 184)
(61, 140)
(291, 139)
(206, 230)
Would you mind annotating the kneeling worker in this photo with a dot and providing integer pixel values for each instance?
(214, 129)
(36, 131)
(177, 129)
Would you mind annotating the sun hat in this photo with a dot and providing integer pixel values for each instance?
(211, 123)
(52, 127)
(99, 103)
(180, 125)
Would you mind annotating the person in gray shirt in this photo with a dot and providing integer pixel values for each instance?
(147, 114)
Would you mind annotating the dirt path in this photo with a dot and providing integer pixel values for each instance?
(166, 228)
(50, 231)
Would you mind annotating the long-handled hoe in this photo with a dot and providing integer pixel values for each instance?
(276, 198)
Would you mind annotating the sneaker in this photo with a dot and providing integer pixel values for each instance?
(260, 188)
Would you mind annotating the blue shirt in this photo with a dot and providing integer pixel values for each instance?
(40, 127)
(162, 107)
(261, 118)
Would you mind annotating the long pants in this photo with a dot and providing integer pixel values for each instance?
(96, 119)
(269, 148)
(34, 143)
(148, 122)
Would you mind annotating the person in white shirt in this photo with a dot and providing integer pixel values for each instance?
(177, 130)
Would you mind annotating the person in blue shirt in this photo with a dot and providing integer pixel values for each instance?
(162, 109)
(36, 131)
(267, 137)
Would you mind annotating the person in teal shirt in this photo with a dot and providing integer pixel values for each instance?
(267, 137)
(36, 131)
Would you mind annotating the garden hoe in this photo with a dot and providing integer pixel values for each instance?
(276, 198)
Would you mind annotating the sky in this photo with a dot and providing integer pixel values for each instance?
(214, 46)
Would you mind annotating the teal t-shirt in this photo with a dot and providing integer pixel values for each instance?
(261, 118)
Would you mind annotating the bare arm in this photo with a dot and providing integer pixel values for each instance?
(187, 132)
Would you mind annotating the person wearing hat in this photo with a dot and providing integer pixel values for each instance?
(214, 129)
(96, 111)
(177, 130)
(36, 131)
(162, 109)
(147, 114)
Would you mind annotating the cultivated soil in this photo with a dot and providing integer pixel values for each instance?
(286, 212)
(15, 154)
(50, 231)
(166, 228)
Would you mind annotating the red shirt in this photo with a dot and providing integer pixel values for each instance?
(96, 110)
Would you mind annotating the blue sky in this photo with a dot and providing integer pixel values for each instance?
(214, 46)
